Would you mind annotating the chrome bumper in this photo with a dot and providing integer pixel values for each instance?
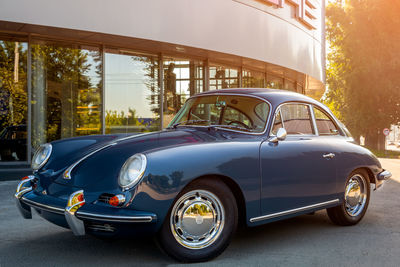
(74, 218)
(381, 178)
(384, 175)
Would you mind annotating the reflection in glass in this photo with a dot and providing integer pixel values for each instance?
(297, 119)
(66, 92)
(182, 79)
(324, 124)
(274, 82)
(233, 112)
(132, 102)
(13, 101)
(299, 88)
(223, 77)
(253, 79)
(290, 85)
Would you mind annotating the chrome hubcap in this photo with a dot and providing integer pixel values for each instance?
(355, 195)
(197, 219)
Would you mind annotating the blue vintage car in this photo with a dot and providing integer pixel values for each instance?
(249, 156)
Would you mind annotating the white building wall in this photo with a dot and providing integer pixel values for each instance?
(248, 28)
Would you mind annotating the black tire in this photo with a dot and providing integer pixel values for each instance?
(340, 215)
(169, 241)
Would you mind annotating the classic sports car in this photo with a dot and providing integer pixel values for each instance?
(248, 156)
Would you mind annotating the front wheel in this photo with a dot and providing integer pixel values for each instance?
(201, 223)
(356, 200)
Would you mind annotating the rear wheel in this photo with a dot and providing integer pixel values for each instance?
(356, 200)
(201, 223)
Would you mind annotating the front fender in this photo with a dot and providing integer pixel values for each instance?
(170, 170)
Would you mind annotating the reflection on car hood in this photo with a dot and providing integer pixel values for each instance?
(102, 168)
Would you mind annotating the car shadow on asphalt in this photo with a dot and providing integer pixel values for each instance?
(62, 248)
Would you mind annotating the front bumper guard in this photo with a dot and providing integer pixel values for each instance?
(73, 217)
(381, 178)
(385, 175)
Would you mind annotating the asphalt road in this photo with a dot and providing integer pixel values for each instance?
(309, 240)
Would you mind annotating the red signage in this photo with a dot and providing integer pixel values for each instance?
(304, 10)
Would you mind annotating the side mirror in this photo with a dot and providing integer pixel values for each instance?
(280, 136)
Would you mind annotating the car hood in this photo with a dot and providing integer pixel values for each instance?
(99, 171)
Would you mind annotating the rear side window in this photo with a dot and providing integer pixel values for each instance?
(297, 119)
(324, 124)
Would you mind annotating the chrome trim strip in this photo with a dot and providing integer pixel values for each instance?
(237, 94)
(314, 121)
(42, 206)
(288, 212)
(132, 136)
(67, 172)
(111, 218)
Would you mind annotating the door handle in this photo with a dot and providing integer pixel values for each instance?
(328, 156)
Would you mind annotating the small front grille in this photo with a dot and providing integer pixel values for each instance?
(105, 197)
(100, 227)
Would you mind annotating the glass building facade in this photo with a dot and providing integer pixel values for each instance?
(52, 89)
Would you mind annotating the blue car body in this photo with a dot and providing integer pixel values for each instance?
(270, 181)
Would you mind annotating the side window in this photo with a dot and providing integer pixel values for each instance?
(297, 119)
(324, 124)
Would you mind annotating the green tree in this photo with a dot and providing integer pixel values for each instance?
(13, 93)
(363, 65)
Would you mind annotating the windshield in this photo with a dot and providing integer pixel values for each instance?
(242, 113)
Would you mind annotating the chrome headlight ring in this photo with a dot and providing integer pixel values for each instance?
(132, 171)
(41, 156)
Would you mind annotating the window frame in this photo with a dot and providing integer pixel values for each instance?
(312, 119)
(340, 130)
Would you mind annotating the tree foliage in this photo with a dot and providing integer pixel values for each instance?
(13, 92)
(363, 65)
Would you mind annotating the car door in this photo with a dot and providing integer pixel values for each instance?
(299, 171)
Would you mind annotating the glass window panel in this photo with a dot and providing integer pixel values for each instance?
(297, 119)
(300, 88)
(290, 85)
(13, 101)
(274, 82)
(222, 77)
(182, 79)
(132, 92)
(66, 92)
(227, 111)
(324, 124)
(253, 79)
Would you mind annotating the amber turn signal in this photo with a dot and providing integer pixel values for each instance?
(117, 200)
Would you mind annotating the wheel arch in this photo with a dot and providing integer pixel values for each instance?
(235, 189)
(370, 174)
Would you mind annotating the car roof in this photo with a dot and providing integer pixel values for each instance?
(274, 96)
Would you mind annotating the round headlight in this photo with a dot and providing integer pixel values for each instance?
(132, 170)
(42, 154)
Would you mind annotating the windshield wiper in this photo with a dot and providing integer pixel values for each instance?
(187, 122)
(231, 127)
